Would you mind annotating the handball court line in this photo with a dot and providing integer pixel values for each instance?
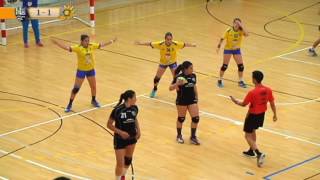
(59, 118)
(3, 178)
(45, 167)
(238, 122)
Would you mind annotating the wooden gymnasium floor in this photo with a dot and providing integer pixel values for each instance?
(44, 142)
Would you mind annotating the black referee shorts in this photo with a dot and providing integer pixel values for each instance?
(252, 122)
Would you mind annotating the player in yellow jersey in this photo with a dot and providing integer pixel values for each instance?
(86, 63)
(312, 50)
(168, 56)
(233, 37)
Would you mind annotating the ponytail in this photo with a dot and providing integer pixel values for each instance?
(125, 96)
(120, 100)
(178, 69)
(182, 67)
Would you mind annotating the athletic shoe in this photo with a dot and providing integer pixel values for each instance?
(26, 45)
(123, 178)
(68, 108)
(312, 52)
(249, 153)
(242, 84)
(39, 44)
(194, 140)
(260, 159)
(220, 84)
(153, 93)
(95, 103)
(180, 139)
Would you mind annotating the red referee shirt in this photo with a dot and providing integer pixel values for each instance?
(258, 99)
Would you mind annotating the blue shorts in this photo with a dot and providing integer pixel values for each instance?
(171, 66)
(232, 51)
(83, 74)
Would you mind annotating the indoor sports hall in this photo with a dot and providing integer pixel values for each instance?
(39, 140)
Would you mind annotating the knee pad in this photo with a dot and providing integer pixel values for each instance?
(196, 119)
(224, 67)
(181, 119)
(240, 67)
(75, 90)
(156, 80)
(127, 161)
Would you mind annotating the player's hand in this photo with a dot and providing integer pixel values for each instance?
(114, 39)
(180, 82)
(218, 48)
(275, 118)
(233, 99)
(124, 135)
(137, 42)
(138, 135)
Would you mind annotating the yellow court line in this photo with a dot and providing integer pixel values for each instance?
(291, 47)
(110, 24)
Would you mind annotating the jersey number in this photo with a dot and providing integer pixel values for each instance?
(123, 115)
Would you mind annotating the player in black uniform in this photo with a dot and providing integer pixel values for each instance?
(187, 98)
(126, 131)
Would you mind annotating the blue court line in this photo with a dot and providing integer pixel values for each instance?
(268, 177)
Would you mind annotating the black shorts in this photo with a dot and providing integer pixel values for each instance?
(119, 143)
(182, 102)
(252, 122)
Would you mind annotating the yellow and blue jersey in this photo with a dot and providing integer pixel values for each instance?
(233, 39)
(168, 54)
(86, 57)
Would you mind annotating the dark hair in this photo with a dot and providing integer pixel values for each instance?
(168, 34)
(125, 96)
(61, 178)
(183, 66)
(83, 37)
(236, 19)
(258, 76)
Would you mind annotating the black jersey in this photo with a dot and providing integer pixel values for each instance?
(125, 119)
(186, 94)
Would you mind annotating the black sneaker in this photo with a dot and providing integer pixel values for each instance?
(242, 84)
(312, 52)
(194, 140)
(260, 159)
(249, 153)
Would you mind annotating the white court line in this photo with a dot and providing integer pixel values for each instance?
(295, 60)
(280, 104)
(292, 52)
(45, 167)
(304, 77)
(13, 155)
(56, 171)
(3, 178)
(237, 122)
(57, 119)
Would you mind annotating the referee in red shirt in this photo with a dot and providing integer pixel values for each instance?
(258, 99)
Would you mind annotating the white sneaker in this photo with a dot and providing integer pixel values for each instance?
(260, 159)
